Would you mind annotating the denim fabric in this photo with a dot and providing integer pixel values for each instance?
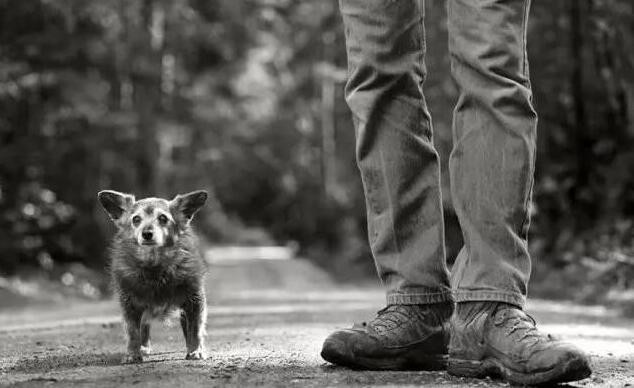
(491, 165)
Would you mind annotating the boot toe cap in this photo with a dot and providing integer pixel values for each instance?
(572, 363)
(335, 348)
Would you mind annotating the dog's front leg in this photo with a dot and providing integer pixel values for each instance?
(146, 347)
(195, 311)
(132, 321)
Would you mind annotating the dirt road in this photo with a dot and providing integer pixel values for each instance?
(267, 319)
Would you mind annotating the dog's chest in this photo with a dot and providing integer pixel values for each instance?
(156, 285)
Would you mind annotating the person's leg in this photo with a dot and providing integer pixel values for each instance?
(400, 173)
(491, 167)
(492, 162)
(395, 154)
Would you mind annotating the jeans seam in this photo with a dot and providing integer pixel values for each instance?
(421, 35)
(488, 295)
(524, 39)
(391, 206)
(419, 298)
(525, 71)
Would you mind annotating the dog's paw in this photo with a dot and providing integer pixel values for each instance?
(146, 350)
(132, 358)
(198, 354)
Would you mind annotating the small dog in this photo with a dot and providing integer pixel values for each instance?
(156, 267)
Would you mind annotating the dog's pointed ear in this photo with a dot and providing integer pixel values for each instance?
(115, 203)
(184, 206)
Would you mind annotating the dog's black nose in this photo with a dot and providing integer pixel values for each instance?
(147, 235)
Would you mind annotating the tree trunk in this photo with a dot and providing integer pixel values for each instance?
(147, 89)
(583, 153)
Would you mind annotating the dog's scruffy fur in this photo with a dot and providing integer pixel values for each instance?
(156, 267)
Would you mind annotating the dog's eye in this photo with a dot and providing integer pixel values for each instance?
(136, 220)
(163, 219)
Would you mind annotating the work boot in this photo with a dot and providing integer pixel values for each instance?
(498, 339)
(400, 337)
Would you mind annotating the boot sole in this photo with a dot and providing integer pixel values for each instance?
(411, 359)
(574, 370)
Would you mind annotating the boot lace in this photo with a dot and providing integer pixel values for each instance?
(522, 327)
(393, 316)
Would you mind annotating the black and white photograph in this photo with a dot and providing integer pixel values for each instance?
(316, 193)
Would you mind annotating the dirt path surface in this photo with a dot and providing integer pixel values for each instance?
(267, 319)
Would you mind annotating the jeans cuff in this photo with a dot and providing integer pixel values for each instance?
(420, 297)
(513, 298)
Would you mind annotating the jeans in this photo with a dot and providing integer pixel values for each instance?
(492, 163)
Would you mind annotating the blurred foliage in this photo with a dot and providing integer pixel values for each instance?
(244, 98)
